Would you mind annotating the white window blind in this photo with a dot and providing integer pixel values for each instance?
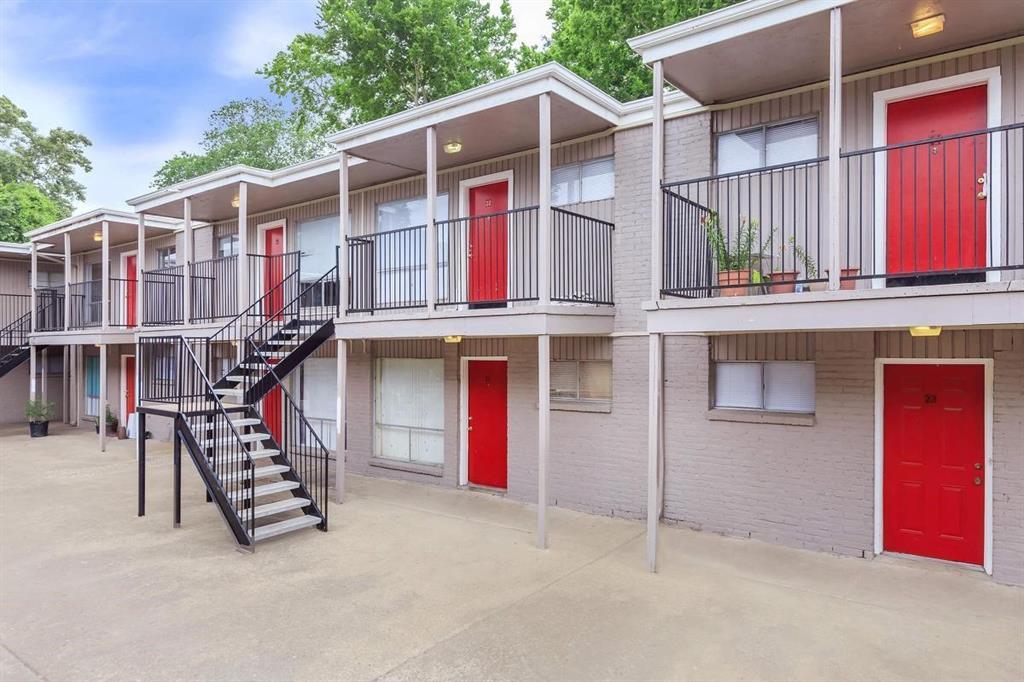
(774, 386)
(738, 384)
(394, 215)
(319, 396)
(410, 410)
(318, 240)
(581, 380)
(586, 181)
(227, 245)
(742, 150)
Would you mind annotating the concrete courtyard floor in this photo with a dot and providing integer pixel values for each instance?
(414, 582)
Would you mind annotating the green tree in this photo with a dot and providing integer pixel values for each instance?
(371, 58)
(589, 37)
(24, 207)
(49, 162)
(255, 132)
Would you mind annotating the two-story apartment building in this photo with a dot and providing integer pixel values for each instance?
(671, 308)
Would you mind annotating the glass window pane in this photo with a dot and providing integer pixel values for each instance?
(394, 215)
(564, 379)
(595, 380)
(227, 245)
(789, 386)
(738, 384)
(791, 142)
(597, 180)
(565, 185)
(410, 410)
(740, 151)
(318, 240)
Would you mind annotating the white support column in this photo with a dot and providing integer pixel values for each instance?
(339, 416)
(835, 131)
(79, 383)
(343, 233)
(34, 270)
(105, 284)
(67, 281)
(140, 266)
(43, 372)
(431, 219)
(102, 412)
(189, 257)
(32, 388)
(65, 385)
(543, 435)
(243, 247)
(657, 175)
(544, 201)
(654, 398)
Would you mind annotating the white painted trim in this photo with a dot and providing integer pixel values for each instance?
(988, 364)
(123, 403)
(464, 187)
(262, 228)
(992, 79)
(122, 274)
(464, 410)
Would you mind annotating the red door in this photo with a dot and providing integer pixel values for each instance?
(129, 386)
(273, 270)
(935, 218)
(487, 266)
(488, 423)
(131, 287)
(934, 461)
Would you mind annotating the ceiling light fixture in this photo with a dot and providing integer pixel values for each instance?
(452, 147)
(235, 201)
(453, 339)
(925, 331)
(97, 236)
(928, 25)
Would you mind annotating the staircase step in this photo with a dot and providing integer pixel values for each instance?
(253, 455)
(230, 440)
(258, 472)
(224, 391)
(261, 490)
(198, 427)
(286, 526)
(237, 378)
(253, 365)
(281, 342)
(246, 421)
(277, 507)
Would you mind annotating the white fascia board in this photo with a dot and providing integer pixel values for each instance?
(641, 111)
(730, 22)
(98, 216)
(551, 78)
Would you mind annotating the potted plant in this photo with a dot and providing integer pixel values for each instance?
(111, 423)
(784, 281)
(738, 262)
(38, 412)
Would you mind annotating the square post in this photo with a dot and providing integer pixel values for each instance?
(835, 123)
(544, 201)
(177, 477)
(101, 417)
(43, 372)
(67, 281)
(105, 284)
(339, 415)
(34, 252)
(186, 305)
(431, 244)
(343, 234)
(543, 435)
(140, 267)
(79, 384)
(140, 456)
(65, 385)
(31, 372)
(657, 175)
(243, 248)
(654, 468)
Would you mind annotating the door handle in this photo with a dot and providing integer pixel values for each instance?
(977, 465)
(983, 182)
(469, 428)
(977, 480)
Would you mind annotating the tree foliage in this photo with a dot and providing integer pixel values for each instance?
(37, 172)
(589, 37)
(254, 131)
(371, 58)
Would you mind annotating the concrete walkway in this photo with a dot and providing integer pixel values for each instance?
(413, 582)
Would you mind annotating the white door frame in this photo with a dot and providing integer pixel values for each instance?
(880, 364)
(261, 249)
(464, 410)
(464, 187)
(989, 77)
(139, 288)
(123, 409)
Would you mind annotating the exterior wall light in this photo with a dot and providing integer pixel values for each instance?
(452, 147)
(928, 25)
(235, 201)
(453, 339)
(97, 236)
(925, 331)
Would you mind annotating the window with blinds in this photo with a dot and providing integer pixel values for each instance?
(770, 386)
(585, 181)
(770, 145)
(409, 410)
(581, 380)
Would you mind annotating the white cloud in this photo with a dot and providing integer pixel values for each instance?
(260, 31)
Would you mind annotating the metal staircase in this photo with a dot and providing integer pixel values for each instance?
(14, 348)
(263, 464)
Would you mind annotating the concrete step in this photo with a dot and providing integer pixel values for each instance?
(282, 506)
(258, 472)
(286, 526)
(262, 490)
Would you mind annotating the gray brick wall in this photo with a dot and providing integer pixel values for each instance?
(1008, 452)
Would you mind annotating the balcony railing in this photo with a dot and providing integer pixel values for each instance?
(214, 289)
(947, 209)
(14, 320)
(483, 261)
(86, 304)
(50, 309)
(164, 292)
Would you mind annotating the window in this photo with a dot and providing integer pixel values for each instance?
(401, 268)
(395, 215)
(586, 181)
(318, 395)
(409, 410)
(92, 385)
(581, 380)
(48, 280)
(771, 386)
(166, 257)
(767, 145)
(227, 245)
(318, 240)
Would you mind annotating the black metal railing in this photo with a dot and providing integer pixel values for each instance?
(488, 260)
(943, 210)
(266, 273)
(49, 309)
(743, 232)
(123, 304)
(214, 288)
(164, 292)
(581, 258)
(86, 304)
(13, 309)
(388, 270)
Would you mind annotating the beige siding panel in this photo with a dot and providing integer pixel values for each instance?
(581, 348)
(14, 276)
(409, 348)
(793, 346)
(950, 344)
(483, 348)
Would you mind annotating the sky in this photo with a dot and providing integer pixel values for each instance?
(140, 78)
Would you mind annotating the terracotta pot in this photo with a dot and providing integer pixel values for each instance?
(783, 282)
(847, 284)
(732, 278)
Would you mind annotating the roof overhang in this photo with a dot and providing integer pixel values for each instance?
(491, 120)
(764, 46)
(122, 225)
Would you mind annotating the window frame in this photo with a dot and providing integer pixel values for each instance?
(410, 464)
(231, 238)
(797, 415)
(763, 151)
(577, 402)
(161, 256)
(578, 167)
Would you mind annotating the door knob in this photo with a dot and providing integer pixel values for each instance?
(977, 465)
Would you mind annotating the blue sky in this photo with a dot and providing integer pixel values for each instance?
(141, 78)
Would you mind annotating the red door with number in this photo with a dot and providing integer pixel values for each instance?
(487, 267)
(129, 387)
(273, 270)
(934, 461)
(488, 423)
(131, 290)
(935, 213)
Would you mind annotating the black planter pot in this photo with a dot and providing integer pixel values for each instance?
(38, 429)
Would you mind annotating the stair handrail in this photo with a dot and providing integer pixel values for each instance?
(20, 325)
(297, 298)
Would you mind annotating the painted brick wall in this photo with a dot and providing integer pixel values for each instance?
(1008, 452)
